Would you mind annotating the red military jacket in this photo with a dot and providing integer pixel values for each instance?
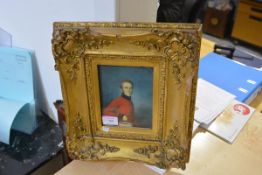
(119, 107)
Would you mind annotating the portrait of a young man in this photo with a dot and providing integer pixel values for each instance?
(122, 106)
(126, 96)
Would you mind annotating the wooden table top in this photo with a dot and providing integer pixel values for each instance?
(212, 155)
(207, 46)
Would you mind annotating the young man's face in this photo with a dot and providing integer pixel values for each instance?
(127, 88)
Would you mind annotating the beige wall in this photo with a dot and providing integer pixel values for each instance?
(137, 10)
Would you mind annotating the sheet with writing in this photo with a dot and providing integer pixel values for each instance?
(210, 101)
(17, 103)
(16, 77)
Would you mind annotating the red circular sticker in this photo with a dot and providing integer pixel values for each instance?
(242, 109)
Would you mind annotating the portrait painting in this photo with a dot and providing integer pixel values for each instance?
(129, 89)
(126, 95)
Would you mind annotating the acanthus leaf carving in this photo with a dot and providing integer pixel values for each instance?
(89, 150)
(86, 149)
(80, 129)
(69, 45)
(168, 154)
(179, 47)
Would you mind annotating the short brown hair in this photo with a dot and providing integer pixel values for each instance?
(126, 81)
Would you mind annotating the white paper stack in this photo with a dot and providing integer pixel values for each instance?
(218, 112)
(228, 124)
(210, 101)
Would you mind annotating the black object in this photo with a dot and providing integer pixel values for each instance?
(246, 58)
(28, 152)
(181, 10)
(238, 55)
(170, 10)
(197, 12)
(225, 51)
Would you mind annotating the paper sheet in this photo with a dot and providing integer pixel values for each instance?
(17, 103)
(8, 112)
(156, 169)
(16, 77)
(195, 126)
(210, 101)
(229, 123)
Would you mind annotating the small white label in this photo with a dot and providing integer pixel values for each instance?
(243, 90)
(110, 120)
(251, 81)
(105, 129)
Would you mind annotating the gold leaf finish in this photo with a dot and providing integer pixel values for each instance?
(180, 47)
(69, 46)
(171, 51)
(90, 150)
(168, 154)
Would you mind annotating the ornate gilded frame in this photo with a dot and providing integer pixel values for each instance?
(172, 50)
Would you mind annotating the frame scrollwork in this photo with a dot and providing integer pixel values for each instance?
(171, 50)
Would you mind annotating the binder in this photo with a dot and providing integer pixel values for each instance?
(243, 81)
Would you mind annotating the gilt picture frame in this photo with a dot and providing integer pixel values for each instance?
(129, 89)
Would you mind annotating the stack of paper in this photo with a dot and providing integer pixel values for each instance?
(223, 87)
(210, 101)
(228, 124)
(219, 112)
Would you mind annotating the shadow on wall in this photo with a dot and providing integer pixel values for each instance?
(40, 96)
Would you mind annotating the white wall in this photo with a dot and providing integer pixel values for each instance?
(137, 10)
(5, 38)
(106, 10)
(30, 23)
